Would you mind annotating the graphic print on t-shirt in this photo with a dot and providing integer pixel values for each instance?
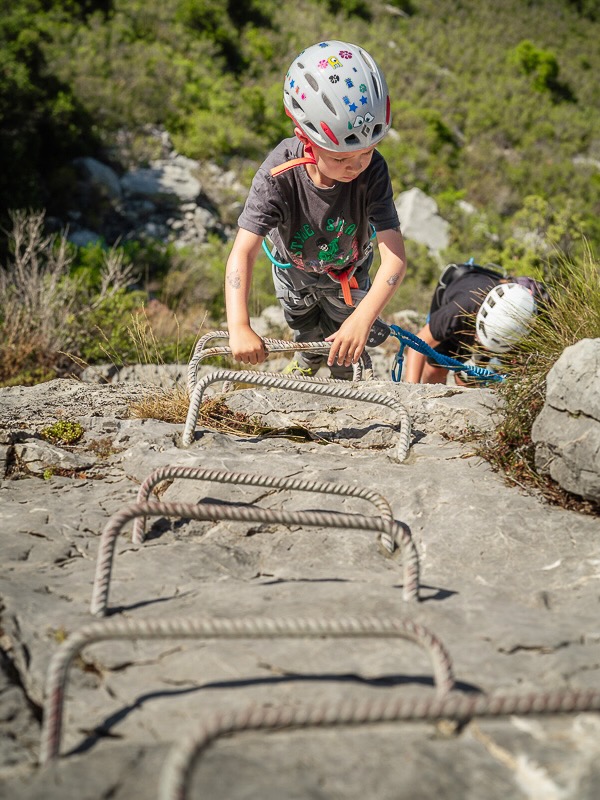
(325, 253)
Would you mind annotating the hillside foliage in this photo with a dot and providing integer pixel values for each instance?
(492, 101)
(495, 105)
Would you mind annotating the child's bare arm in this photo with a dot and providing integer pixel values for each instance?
(349, 341)
(415, 362)
(246, 345)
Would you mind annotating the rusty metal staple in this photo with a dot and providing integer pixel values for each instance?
(328, 388)
(177, 770)
(212, 628)
(325, 519)
(245, 479)
(363, 370)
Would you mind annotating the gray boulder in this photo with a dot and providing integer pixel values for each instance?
(100, 176)
(173, 178)
(566, 433)
(420, 220)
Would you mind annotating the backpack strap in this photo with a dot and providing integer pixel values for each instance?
(294, 162)
(454, 271)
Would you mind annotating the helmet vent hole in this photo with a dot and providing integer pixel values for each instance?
(500, 291)
(368, 60)
(311, 82)
(377, 130)
(308, 124)
(376, 87)
(352, 139)
(491, 302)
(329, 104)
(296, 105)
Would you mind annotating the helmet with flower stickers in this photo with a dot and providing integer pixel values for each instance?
(338, 96)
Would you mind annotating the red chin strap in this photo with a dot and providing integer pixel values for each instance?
(307, 158)
(307, 145)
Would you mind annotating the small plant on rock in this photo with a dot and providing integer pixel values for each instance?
(63, 432)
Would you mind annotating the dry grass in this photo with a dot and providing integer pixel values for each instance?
(171, 405)
(41, 302)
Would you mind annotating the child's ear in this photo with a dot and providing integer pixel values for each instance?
(302, 136)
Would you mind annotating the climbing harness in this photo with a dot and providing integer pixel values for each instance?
(408, 339)
(345, 277)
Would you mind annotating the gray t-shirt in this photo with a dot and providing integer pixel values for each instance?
(318, 230)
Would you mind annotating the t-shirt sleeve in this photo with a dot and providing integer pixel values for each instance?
(380, 198)
(263, 209)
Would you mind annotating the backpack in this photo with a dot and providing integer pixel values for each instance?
(454, 271)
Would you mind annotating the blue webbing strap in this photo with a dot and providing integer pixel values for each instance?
(408, 339)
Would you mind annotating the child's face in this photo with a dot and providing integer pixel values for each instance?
(341, 167)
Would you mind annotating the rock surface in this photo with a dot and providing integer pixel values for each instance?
(567, 431)
(508, 583)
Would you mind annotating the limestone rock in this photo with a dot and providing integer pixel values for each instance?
(566, 433)
(164, 178)
(420, 220)
(508, 584)
(100, 176)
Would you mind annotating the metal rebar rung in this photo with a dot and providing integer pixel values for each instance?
(212, 628)
(329, 389)
(245, 479)
(324, 519)
(177, 770)
(362, 370)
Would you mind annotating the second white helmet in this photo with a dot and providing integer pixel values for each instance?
(338, 96)
(504, 316)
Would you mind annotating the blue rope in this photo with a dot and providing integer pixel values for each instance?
(408, 339)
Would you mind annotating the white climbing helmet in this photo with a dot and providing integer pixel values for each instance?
(338, 96)
(504, 316)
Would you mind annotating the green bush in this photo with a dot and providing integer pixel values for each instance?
(541, 64)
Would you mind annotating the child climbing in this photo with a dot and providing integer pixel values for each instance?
(476, 315)
(321, 197)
